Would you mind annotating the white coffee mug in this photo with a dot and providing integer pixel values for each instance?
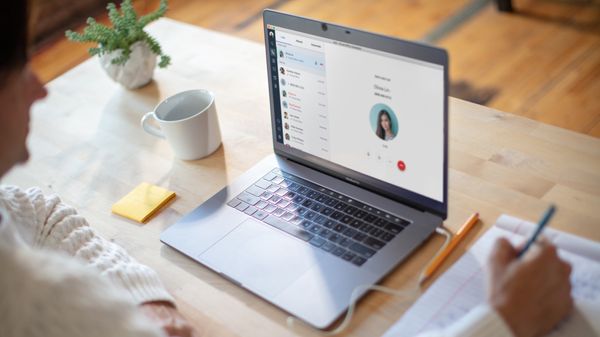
(188, 120)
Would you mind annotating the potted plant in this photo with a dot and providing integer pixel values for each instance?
(127, 53)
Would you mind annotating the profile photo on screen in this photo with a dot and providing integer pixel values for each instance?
(384, 122)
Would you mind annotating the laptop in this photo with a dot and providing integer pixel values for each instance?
(357, 180)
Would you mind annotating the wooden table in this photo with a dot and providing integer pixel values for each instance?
(87, 145)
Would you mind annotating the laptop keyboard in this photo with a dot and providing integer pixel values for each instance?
(326, 219)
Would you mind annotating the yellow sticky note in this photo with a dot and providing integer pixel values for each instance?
(141, 203)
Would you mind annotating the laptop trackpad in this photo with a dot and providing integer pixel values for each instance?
(263, 259)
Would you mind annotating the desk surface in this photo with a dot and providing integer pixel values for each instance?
(87, 145)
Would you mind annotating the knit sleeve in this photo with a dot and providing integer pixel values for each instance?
(46, 222)
(47, 294)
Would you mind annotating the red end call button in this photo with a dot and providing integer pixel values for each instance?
(401, 165)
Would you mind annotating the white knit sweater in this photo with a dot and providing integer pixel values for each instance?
(44, 291)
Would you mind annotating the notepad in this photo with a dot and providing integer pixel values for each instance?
(142, 202)
(462, 287)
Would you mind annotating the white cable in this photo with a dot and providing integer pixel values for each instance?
(366, 287)
(442, 231)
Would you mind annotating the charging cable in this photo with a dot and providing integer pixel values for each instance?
(367, 287)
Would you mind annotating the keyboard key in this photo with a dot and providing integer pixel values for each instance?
(321, 198)
(269, 176)
(320, 220)
(250, 210)
(307, 203)
(348, 256)
(273, 188)
(263, 184)
(312, 195)
(275, 199)
(360, 214)
(335, 238)
(248, 198)
(277, 180)
(328, 246)
(301, 211)
(234, 202)
(339, 228)
(317, 241)
(326, 211)
(285, 183)
(366, 228)
(380, 223)
(359, 236)
(387, 237)
(330, 223)
(350, 210)
(339, 251)
(370, 218)
(356, 223)
(375, 232)
(269, 208)
(266, 195)
(296, 220)
(340, 206)
(261, 204)
(310, 215)
(303, 190)
(306, 224)
(287, 216)
(373, 243)
(260, 214)
(325, 233)
(289, 195)
(298, 199)
(395, 229)
(331, 202)
(294, 187)
(283, 203)
(317, 207)
(345, 242)
(241, 206)
(349, 232)
(336, 215)
(288, 228)
(292, 207)
(278, 212)
(255, 190)
(362, 250)
(359, 260)
(346, 219)
(315, 229)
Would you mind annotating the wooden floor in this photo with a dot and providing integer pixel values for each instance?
(542, 62)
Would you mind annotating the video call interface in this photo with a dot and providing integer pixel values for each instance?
(376, 113)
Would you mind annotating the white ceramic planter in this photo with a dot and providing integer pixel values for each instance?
(137, 71)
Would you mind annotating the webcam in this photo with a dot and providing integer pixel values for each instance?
(324, 26)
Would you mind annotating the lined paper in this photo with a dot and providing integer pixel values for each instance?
(462, 287)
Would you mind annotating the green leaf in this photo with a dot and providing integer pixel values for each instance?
(126, 30)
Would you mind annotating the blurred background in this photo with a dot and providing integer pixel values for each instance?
(541, 60)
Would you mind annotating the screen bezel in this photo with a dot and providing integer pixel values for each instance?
(373, 41)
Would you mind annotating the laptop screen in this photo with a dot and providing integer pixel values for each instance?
(376, 113)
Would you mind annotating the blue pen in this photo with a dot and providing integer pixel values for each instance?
(545, 218)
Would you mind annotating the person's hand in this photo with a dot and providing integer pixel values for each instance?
(167, 317)
(533, 293)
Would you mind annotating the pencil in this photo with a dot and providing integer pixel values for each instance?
(538, 230)
(437, 262)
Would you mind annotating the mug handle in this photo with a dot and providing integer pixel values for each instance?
(151, 129)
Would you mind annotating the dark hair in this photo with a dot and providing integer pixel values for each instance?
(380, 132)
(14, 37)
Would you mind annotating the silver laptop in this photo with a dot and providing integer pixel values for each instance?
(358, 178)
